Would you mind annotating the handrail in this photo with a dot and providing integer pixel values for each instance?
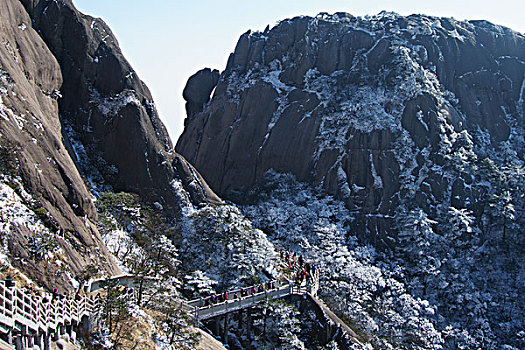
(20, 307)
(203, 308)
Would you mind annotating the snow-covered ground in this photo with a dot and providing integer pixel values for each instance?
(16, 215)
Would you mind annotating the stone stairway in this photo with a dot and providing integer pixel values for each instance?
(34, 321)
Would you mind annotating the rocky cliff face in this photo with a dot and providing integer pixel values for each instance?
(383, 112)
(108, 112)
(32, 150)
(76, 121)
(415, 124)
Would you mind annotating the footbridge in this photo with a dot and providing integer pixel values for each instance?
(239, 299)
(28, 320)
(330, 327)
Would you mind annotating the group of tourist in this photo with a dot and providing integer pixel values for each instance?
(28, 289)
(34, 293)
(239, 294)
(303, 270)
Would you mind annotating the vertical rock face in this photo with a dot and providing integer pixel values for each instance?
(384, 111)
(31, 141)
(108, 112)
(75, 118)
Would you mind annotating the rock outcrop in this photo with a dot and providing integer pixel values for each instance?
(198, 89)
(108, 112)
(32, 148)
(76, 121)
(382, 112)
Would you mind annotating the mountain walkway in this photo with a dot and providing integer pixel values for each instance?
(28, 320)
(240, 299)
(31, 321)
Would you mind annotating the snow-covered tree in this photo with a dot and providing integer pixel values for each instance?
(416, 239)
(197, 284)
(224, 244)
(461, 230)
(503, 209)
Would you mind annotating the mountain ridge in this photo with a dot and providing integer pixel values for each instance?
(387, 150)
(283, 94)
(104, 102)
(33, 151)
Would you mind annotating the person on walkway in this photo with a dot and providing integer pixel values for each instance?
(299, 278)
(301, 261)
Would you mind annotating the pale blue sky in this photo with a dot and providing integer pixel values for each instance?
(166, 41)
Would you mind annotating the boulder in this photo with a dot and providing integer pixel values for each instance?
(198, 89)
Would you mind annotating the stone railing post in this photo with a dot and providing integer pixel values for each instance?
(40, 317)
(19, 342)
(39, 339)
(5, 303)
(47, 341)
